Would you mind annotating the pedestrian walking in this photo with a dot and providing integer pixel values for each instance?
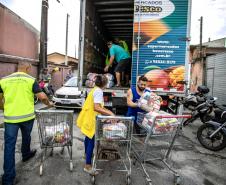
(87, 118)
(18, 91)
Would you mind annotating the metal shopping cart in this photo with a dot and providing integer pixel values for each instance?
(113, 142)
(153, 148)
(55, 130)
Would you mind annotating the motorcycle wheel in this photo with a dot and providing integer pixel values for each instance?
(216, 143)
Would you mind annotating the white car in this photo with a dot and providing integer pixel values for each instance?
(69, 95)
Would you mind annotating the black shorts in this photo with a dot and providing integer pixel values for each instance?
(124, 66)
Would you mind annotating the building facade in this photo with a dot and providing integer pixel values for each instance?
(208, 68)
(19, 41)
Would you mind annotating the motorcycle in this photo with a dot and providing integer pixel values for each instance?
(212, 134)
(195, 99)
(199, 104)
(47, 89)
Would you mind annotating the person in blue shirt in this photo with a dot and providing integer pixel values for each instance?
(133, 95)
(123, 60)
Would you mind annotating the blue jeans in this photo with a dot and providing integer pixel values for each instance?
(89, 146)
(10, 136)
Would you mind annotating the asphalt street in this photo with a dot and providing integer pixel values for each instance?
(195, 165)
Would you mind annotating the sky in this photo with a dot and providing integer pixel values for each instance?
(30, 10)
(213, 12)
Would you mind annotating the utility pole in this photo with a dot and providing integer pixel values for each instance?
(200, 44)
(201, 52)
(75, 51)
(66, 41)
(43, 36)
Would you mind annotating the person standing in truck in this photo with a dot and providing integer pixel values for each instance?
(133, 95)
(124, 45)
(123, 62)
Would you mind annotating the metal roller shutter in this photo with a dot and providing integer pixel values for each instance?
(216, 76)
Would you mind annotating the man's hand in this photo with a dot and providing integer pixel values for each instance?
(139, 104)
(112, 114)
(106, 69)
(51, 104)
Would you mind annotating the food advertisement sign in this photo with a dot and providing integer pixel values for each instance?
(160, 43)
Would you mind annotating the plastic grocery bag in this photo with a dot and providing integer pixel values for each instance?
(115, 131)
(163, 125)
(150, 102)
(109, 76)
(110, 84)
(57, 133)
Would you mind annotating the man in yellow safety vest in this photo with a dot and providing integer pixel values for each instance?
(17, 91)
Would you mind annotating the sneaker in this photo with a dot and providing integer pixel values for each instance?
(91, 171)
(32, 154)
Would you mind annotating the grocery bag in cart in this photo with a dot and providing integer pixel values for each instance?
(115, 131)
(162, 131)
(161, 126)
(57, 134)
(55, 130)
(113, 136)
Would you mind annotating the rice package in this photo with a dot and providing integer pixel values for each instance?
(150, 102)
(115, 131)
(163, 125)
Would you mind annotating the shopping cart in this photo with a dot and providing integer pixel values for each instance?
(113, 143)
(159, 140)
(55, 129)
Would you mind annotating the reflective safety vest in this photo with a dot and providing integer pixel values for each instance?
(18, 97)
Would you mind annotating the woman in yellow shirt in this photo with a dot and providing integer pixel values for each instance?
(87, 118)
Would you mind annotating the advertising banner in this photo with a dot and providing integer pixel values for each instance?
(160, 43)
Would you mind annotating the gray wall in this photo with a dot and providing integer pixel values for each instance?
(216, 76)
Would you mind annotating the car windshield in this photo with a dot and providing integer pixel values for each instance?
(71, 82)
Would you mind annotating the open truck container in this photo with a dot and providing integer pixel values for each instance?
(157, 33)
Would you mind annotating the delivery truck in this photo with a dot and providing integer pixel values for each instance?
(157, 33)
